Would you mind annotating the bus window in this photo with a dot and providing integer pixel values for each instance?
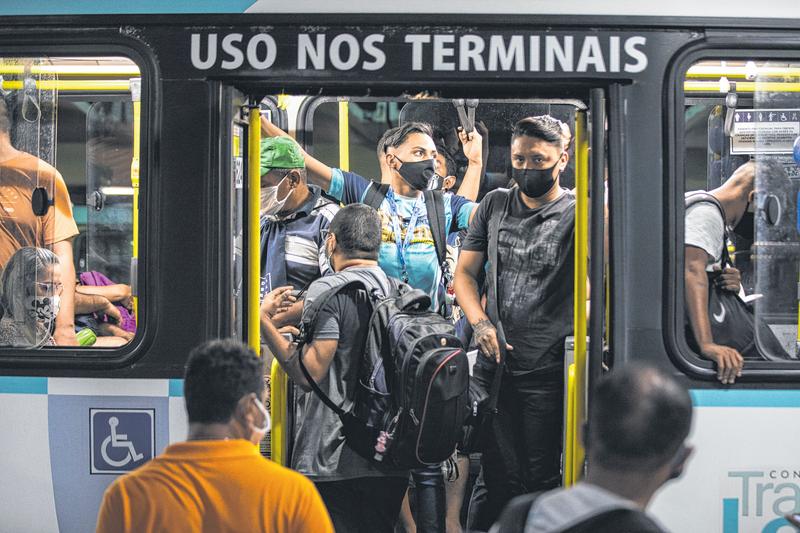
(741, 119)
(69, 190)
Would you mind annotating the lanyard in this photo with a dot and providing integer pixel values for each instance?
(396, 229)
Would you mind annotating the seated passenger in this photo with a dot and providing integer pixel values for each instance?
(704, 241)
(359, 495)
(294, 219)
(30, 293)
(217, 480)
(106, 308)
(635, 442)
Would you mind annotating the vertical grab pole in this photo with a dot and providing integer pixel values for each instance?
(578, 386)
(344, 135)
(597, 297)
(253, 241)
(135, 85)
(278, 379)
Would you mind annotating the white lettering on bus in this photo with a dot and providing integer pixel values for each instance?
(471, 48)
(554, 50)
(371, 49)
(416, 42)
(236, 55)
(591, 54)
(352, 55)
(506, 55)
(306, 50)
(211, 52)
(635, 53)
(443, 52)
(252, 51)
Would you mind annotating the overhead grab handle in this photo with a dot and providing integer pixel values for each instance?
(466, 113)
(731, 100)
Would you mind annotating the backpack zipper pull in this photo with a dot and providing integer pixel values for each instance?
(413, 417)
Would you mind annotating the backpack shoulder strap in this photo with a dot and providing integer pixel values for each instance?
(307, 327)
(375, 195)
(434, 205)
(494, 389)
(701, 197)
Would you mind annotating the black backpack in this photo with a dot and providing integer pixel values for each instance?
(411, 398)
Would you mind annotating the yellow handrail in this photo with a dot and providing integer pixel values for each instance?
(740, 72)
(253, 240)
(71, 85)
(569, 442)
(344, 135)
(741, 87)
(278, 392)
(576, 401)
(135, 85)
(72, 70)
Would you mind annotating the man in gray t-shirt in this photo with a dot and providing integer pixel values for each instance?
(359, 495)
(703, 246)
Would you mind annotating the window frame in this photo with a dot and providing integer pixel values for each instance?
(718, 47)
(88, 358)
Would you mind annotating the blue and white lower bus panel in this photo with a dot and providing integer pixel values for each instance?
(744, 475)
(64, 440)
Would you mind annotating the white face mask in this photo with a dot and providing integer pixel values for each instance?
(43, 308)
(270, 205)
(260, 433)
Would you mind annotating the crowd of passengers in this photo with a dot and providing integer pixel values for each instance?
(318, 222)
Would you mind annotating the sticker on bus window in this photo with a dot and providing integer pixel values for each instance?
(764, 131)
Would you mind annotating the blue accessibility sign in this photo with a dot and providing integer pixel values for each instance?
(121, 439)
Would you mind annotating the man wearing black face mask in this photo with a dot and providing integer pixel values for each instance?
(526, 234)
(704, 241)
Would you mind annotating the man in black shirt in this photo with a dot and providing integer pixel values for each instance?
(359, 495)
(529, 229)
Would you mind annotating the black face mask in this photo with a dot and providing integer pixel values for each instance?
(419, 173)
(534, 182)
(745, 228)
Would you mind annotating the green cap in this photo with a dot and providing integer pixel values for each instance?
(280, 152)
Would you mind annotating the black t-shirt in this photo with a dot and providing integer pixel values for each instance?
(535, 273)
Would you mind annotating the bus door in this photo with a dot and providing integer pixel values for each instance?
(584, 351)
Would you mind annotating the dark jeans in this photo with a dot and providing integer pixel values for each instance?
(429, 499)
(524, 453)
(367, 504)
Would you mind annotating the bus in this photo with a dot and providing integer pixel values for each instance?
(151, 113)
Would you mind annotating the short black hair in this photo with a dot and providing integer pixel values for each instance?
(399, 134)
(449, 162)
(358, 231)
(380, 149)
(638, 419)
(218, 374)
(543, 127)
(5, 118)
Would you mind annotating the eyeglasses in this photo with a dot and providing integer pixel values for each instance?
(49, 287)
(324, 234)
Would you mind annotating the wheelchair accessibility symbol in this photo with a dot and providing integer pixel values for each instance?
(122, 439)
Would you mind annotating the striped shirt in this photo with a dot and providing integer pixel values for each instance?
(303, 248)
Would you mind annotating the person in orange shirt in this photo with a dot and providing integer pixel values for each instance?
(216, 481)
(20, 174)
